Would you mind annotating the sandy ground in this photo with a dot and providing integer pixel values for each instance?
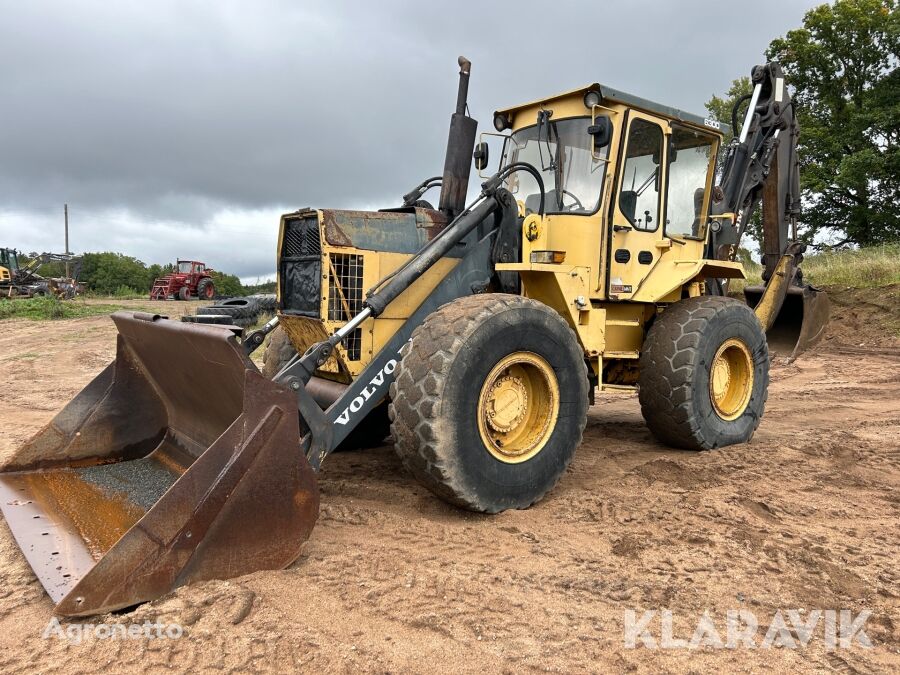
(805, 516)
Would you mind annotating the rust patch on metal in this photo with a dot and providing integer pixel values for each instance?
(334, 234)
(400, 231)
(101, 518)
(432, 221)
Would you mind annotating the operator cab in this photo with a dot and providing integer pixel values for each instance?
(624, 179)
(9, 259)
(190, 267)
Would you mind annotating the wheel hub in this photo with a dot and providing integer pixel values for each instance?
(518, 407)
(731, 379)
(506, 404)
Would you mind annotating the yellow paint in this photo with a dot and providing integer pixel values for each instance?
(769, 304)
(731, 379)
(518, 407)
(607, 303)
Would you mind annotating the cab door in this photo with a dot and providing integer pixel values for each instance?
(637, 209)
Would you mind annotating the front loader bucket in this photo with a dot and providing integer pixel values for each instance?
(799, 324)
(178, 463)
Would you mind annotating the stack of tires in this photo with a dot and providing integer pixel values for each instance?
(243, 312)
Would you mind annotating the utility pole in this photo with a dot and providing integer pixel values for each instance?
(66, 215)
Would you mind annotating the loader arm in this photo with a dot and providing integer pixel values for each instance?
(761, 168)
(475, 229)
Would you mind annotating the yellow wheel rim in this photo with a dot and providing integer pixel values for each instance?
(731, 379)
(518, 407)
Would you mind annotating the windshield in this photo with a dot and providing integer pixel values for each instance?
(184, 267)
(561, 152)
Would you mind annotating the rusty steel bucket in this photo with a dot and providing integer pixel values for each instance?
(178, 463)
(799, 324)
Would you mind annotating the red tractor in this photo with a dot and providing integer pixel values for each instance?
(189, 279)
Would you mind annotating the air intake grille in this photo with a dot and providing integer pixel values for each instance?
(345, 296)
(301, 238)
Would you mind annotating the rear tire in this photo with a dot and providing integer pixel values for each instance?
(234, 312)
(691, 342)
(490, 401)
(206, 289)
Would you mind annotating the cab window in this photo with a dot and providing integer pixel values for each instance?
(561, 151)
(639, 194)
(689, 167)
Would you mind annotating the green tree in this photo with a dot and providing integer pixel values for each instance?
(227, 284)
(154, 272)
(843, 67)
(107, 272)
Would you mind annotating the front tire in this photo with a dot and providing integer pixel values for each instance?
(490, 401)
(704, 374)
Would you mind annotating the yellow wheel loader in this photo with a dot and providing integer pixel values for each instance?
(597, 255)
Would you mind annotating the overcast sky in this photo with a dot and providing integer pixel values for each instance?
(184, 128)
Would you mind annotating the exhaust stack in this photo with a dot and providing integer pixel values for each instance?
(460, 146)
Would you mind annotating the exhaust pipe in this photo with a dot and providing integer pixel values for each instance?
(460, 146)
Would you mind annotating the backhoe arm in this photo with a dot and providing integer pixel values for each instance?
(761, 166)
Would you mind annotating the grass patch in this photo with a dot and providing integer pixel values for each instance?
(859, 268)
(49, 309)
(121, 293)
(24, 356)
(851, 268)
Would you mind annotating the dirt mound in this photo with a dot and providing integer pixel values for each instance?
(864, 317)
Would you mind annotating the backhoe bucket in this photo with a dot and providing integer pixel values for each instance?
(799, 324)
(178, 463)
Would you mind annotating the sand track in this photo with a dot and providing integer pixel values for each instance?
(807, 515)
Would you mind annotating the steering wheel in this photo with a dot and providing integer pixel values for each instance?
(577, 205)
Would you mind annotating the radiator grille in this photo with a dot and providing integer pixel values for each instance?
(345, 296)
(301, 238)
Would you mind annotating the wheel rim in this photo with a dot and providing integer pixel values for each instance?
(518, 407)
(731, 379)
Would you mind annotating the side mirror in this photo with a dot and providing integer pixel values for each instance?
(481, 156)
(601, 130)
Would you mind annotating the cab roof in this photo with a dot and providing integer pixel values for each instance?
(610, 94)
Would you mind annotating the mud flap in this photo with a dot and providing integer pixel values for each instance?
(178, 463)
(799, 324)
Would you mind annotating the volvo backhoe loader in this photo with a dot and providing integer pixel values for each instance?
(596, 256)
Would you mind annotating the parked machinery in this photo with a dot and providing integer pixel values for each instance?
(595, 256)
(189, 279)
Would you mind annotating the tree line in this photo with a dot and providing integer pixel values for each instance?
(843, 66)
(110, 273)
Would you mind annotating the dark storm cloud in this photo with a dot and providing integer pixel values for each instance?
(173, 125)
